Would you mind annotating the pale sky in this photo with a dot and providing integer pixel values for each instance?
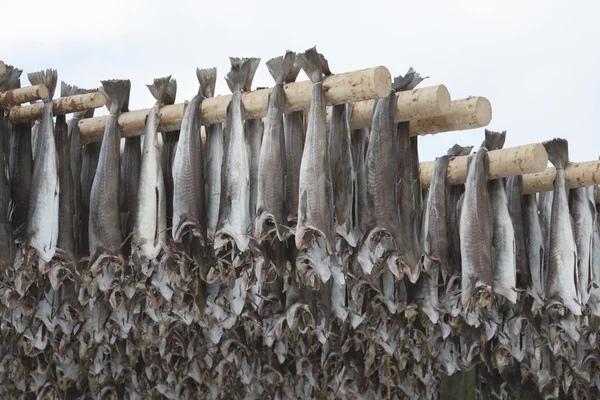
(538, 62)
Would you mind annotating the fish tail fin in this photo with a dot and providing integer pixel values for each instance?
(72, 90)
(494, 140)
(164, 90)
(558, 152)
(458, 150)
(116, 92)
(293, 72)
(237, 76)
(11, 78)
(408, 81)
(254, 62)
(48, 78)
(279, 67)
(67, 90)
(208, 80)
(312, 64)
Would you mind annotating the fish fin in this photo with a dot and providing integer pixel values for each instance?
(409, 81)
(494, 140)
(254, 62)
(11, 78)
(116, 92)
(237, 76)
(458, 150)
(279, 67)
(325, 65)
(311, 63)
(48, 78)
(558, 152)
(67, 90)
(164, 90)
(208, 81)
(293, 72)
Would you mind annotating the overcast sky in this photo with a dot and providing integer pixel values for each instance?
(538, 62)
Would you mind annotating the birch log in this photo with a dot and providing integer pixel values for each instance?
(470, 113)
(23, 95)
(62, 105)
(512, 161)
(578, 174)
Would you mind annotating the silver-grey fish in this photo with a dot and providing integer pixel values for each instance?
(169, 146)
(214, 155)
(360, 141)
(315, 205)
(563, 270)
(189, 208)
(514, 194)
(131, 161)
(583, 211)
(234, 212)
(90, 155)
(534, 245)
(42, 228)
(150, 222)
(545, 209)
(270, 206)
(594, 301)
(293, 128)
(476, 235)
(504, 257)
(105, 234)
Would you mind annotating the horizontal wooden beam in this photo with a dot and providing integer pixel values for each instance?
(19, 96)
(527, 159)
(470, 113)
(578, 174)
(62, 105)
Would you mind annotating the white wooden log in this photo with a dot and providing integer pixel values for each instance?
(578, 174)
(470, 113)
(62, 105)
(18, 96)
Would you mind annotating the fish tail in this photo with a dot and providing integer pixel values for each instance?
(254, 62)
(164, 90)
(11, 78)
(116, 92)
(280, 67)
(67, 90)
(48, 78)
(293, 72)
(407, 82)
(494, 140)
(208, 81)
(558, 152)
(311, 63)
(237, 76)
(72, 90)
(458, 150)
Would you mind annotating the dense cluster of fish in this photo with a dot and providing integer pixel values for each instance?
(278, 260)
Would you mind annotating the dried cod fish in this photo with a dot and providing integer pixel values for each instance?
(534, 245)
(514, 194)
(583, 212)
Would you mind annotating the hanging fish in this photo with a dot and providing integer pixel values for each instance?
(563, 268)
(270, 211)
(514, 194)
(583, 213)
(150, 222)
(169, 145)
(534, 245)
(105, 232)
(90, 155)
(234, 213)
(504, 257)
(42, 227)
(545, 209)
(360, 142)
(214, 155)
(131, 161)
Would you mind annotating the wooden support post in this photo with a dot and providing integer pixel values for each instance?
(62, 105)
(350, 87)
(2, 68)
(470, 113)
(22, 95)
(512, 161)
(578, 174)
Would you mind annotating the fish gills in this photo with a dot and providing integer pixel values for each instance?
(105, 234)
(214, 155)
(562, 262)
(234, 212)
(315, 205)
(534, 245)
(270, 208)
(476, 234)
(42, 228)
(583, 211)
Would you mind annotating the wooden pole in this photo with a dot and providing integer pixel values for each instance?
(2, 68)
(512, 161)
(23, 95)
(62, 105)
(578, 174)
(470, 113)
(350, 87)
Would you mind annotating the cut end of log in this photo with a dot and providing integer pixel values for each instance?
(2, 68)
(42, 92)
(443, 98)
(16, 97)
(381, 81)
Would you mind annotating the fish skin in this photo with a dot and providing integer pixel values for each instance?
(360, 142)
(189, 208)
(342, 170)
(562, 262)
(583, 211)
(545, 210)
(234, 212)
(270, 207)
(436, 245)
(130, 179)
(504, 257)
(293, 128)
(66, 233)
(514, 193)
(21, 170)
(594, 301)
(476, 234)
(534, 245)
(90, 155)
(214, 155)
(42, 227)
(105, 233)
(315, 205)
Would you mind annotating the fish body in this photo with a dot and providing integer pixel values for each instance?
(545, 209)
(21, 170)
(254, 130)
(534, 246)
(315, 204)
(42, 227)
(105, 233)
(514, 194)
(270, 208)
(583, 211)
(234, 212)
(130, 180)
(563, 274)
(66, 233)
(360, 142)
(90, 155)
